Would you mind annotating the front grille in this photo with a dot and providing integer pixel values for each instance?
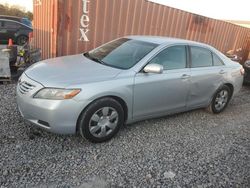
(25, 87)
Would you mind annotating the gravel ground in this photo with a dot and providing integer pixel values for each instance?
(192, 149)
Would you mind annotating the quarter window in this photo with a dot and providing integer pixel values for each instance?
(201, 57)
(171, 58)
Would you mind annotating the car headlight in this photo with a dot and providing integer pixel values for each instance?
(56, 94)
(247, 64)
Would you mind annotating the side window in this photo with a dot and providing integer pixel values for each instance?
(200, 57)
(1, 24)
(171, 58)
(12, 25)
(217, 60)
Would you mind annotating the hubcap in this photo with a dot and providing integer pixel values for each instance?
(103, 122)
(221, 100)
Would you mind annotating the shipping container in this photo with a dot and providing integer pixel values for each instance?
(64, 27)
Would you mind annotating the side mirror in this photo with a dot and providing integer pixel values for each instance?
(153, 68)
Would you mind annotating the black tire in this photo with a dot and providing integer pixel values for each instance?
(21, 40)
(217, 104)
(94, 118)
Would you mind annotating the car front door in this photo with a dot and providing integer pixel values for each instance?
(206, 76)
(158, 94)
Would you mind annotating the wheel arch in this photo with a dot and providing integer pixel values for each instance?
(231, 87)
(118, 99)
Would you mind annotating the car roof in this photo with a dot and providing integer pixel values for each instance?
(10, 20)
(169, 41)
(10, 17)
(15, 18)
(164, 40)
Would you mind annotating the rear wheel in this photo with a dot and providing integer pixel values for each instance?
(21, 40)
(101, 120)
(220, 100)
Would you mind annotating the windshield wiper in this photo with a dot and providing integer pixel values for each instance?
(93, 58)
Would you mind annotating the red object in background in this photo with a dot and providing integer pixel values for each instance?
(10, 43)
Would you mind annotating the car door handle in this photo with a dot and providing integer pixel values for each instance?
(222, 72)
(185, 76)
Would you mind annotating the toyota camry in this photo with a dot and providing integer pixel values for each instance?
(126, 80)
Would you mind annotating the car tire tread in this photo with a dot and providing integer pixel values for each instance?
(86, 115)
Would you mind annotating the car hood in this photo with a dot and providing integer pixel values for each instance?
(70, 70)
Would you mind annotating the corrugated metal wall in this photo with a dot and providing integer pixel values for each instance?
(57, 25)
(45, 26)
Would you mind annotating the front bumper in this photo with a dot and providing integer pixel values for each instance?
(57, 116)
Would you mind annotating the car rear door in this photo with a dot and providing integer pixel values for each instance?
(207, 72)
(156, 94)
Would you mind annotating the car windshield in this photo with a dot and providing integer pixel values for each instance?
(122, 53)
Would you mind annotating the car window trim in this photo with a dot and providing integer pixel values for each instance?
(165, 47)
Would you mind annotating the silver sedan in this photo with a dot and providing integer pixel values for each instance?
(126, 80)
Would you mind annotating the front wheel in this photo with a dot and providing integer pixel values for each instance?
(220, 100)
(101, 120)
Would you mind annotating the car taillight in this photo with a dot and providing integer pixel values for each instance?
(242, 71)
